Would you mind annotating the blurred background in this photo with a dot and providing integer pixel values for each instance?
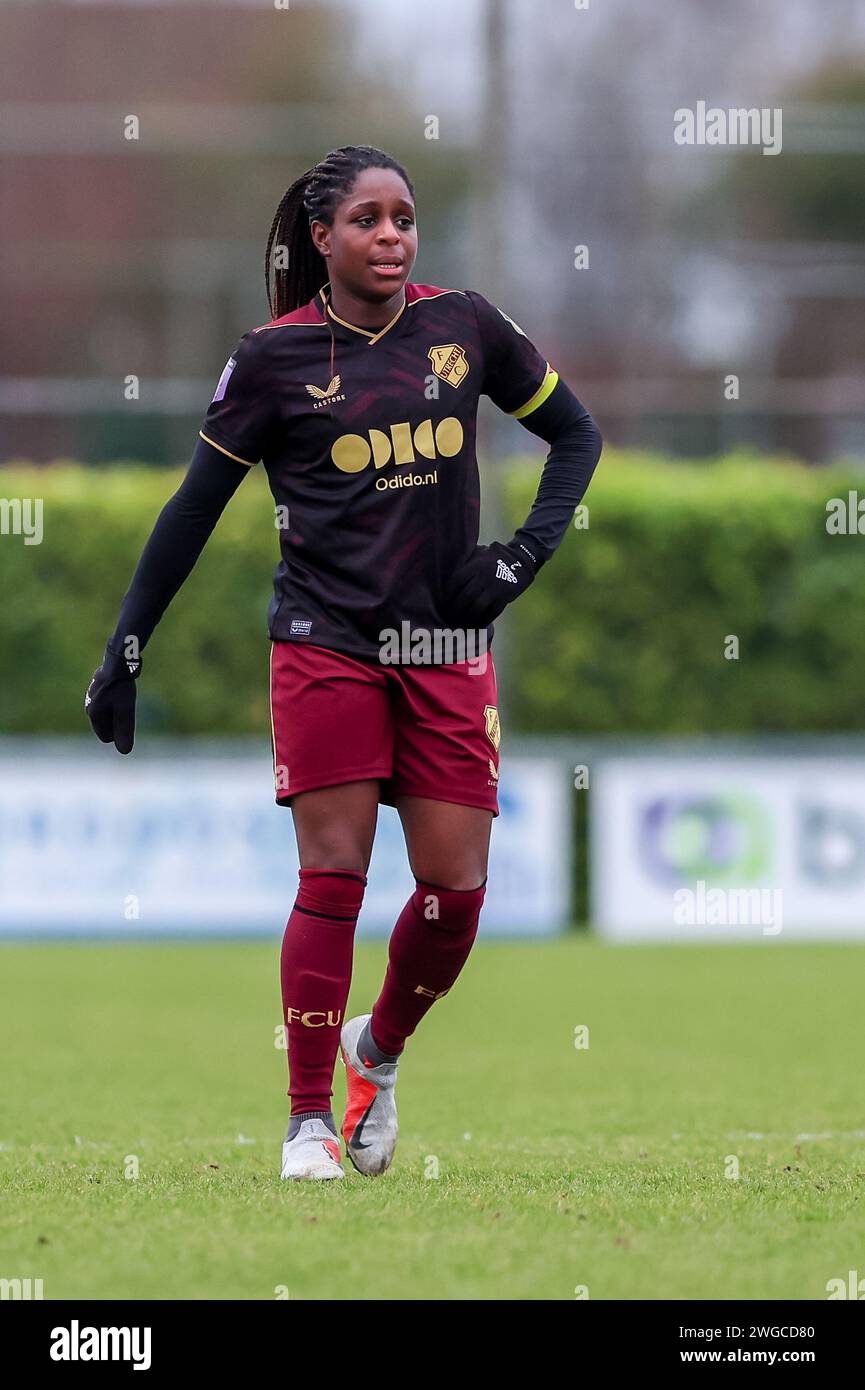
(554, 130)
(706, 302)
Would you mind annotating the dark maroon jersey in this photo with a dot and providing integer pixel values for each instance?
(368, 439)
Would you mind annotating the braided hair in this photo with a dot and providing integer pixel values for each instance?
(315, 196)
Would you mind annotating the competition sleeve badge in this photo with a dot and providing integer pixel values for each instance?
(511, 322)
(223, 380)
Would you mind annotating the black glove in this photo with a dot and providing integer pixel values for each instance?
(110, 700)
(489, 580)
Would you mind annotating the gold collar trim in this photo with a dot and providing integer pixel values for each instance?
(372, 336)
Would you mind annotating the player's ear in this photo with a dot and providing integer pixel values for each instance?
(320, 233)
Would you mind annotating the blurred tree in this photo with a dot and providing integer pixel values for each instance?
(145, 256)
(815, 190)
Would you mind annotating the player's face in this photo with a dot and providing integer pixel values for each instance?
(372, 244)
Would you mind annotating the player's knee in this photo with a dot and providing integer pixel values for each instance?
(467, 883)
(334, 852)
(455, 878)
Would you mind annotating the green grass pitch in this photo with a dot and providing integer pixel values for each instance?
(527, 1168)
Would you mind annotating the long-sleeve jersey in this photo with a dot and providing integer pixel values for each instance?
(368, 441)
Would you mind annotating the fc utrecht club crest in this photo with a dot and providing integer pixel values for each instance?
(494, 728)
(328, 396)
(449, 362)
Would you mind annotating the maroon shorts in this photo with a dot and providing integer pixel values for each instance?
(421, 730)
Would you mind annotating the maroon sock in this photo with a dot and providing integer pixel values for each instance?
(315, 971)
(428, 949)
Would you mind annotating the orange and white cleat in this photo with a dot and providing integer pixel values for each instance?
(369, 1127)
(313, 1153)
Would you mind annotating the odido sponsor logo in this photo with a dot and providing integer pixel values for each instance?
(401, 444)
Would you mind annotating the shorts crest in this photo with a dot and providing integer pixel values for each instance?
(494, 730)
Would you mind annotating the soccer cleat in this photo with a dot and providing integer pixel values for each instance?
(312, 1153)
(369, 1127)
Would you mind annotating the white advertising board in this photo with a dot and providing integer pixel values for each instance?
(91, 842)
(731, 847)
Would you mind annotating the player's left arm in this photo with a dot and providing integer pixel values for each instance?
(575, 447)
(523, 384)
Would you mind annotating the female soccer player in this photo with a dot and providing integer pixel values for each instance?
(360, 397)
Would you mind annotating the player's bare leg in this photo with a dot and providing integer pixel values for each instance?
(448, 848)
(447, 844)
(334, 827)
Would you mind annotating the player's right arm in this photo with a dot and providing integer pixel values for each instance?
(231, 441)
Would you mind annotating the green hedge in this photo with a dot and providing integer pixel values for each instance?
(624, 630)
(206, 667)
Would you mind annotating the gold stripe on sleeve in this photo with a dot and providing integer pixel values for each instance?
(545, 389)
(236, 457)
